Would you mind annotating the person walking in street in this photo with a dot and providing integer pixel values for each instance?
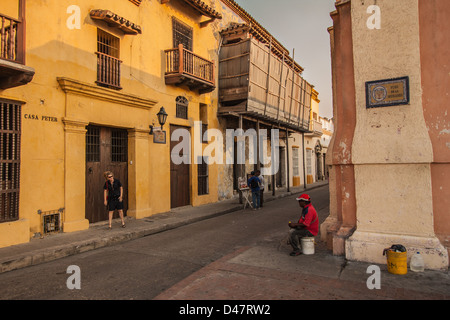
(307, 225)
(113, 196)
(261, 188)
(253, 182)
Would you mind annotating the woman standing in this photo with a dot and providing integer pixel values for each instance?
(113, 196)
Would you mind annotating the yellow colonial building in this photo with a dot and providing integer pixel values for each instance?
(132, 86)
(81, 84)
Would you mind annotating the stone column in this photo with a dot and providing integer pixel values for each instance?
(74, 175)
(138, 174)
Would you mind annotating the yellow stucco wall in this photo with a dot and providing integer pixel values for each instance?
(64, 90)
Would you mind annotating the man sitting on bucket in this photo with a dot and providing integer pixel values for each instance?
(307, 226)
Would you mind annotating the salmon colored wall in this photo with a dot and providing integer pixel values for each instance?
(435, 52)
(346, 115)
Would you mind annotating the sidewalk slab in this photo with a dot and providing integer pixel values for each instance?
(238, 276)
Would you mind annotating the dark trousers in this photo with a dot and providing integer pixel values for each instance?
(261, 198)
(295, 235)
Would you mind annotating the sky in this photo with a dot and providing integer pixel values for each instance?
(301, 26)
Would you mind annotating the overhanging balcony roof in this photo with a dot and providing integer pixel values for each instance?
(201, 7)
(116, 21)
(14, 74)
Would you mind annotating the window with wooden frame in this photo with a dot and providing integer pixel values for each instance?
(108, 60)
(182, 107)
(10, 134)
(119, 145)
(203, 110)
(93, 144)
(295, 161)
(203, 176)
(182, 34)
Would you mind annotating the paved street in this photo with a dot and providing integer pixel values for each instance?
(235, 256)
(144, 268)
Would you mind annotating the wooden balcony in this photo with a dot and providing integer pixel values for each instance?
(254, 82)
(184, 67)
(315, 128)
(13, 71)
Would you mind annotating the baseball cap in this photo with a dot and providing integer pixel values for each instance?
(304, 197)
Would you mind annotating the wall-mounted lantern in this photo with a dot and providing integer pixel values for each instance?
(162, 118)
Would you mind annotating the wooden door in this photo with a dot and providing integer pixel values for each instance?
(106, 150)
(179, 176)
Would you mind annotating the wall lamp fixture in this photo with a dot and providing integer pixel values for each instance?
(162, 118)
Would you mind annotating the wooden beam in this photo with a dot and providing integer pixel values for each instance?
(205, 23)
(21, 33)
(292, 89)
(268, 76)
(280, 86)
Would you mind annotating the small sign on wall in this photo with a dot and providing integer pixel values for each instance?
(159, 137)
(388, 92)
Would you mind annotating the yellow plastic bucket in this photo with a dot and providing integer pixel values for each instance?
(397, 262)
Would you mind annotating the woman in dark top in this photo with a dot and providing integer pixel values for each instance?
(113, 196)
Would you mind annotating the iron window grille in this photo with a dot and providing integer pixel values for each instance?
(93, 144)
(119, 146)
(203, 177)
(108, 60)
(182, 107)
(10, 135)
(51, 221)
(182, 34)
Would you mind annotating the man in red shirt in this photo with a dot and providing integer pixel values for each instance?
(307, 226)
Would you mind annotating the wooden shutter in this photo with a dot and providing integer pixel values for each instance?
(10, 134)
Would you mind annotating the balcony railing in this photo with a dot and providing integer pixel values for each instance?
(316, 128)
(13, 71)
(185, 67)
(11, 35)
(108, 71)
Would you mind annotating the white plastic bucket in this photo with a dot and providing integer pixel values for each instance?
(308, 245)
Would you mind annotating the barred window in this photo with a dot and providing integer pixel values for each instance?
(93, 144)
(182, 34)
(119, 145)
(10, 134)
(108, 60)
(182, 107)
(203, 110)
(295, 161)
(203, 177)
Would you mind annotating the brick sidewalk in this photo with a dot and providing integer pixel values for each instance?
(227, 280)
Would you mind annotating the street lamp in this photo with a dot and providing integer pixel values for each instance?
(162, 118)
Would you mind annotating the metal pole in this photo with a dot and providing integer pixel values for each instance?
(272, 164)
(287, 156)
(240, 166)
(258, 160)
(304, 168)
